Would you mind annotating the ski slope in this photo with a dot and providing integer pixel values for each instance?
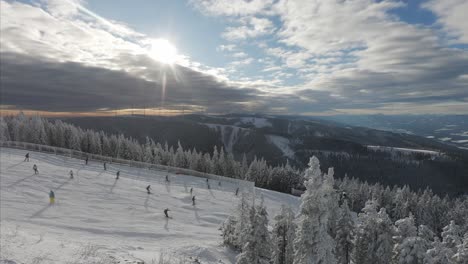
(97, 219)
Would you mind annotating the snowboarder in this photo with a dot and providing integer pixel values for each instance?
(165, 212)
(86, 160)
(105, 167)
(237, 191)
(117, 175)
(191, 190)
(167, 178)
(36, 171)
(26, 157)
(71, 174)
(193, 200)
(51, 197)
(148, 189)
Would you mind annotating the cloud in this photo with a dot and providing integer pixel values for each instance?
(33, 83)
(317, 56)
(231, 7)
(452, 17)
(251, 27)
(228, 47)
(357, 51)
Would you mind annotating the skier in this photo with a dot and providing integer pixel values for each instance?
(36, 171)
(71, 174)
(105, 167)
(86, 160)
(117, 175)
(237, 191)
(191, 190)
(26, 157)
(206, 180)
(51, 197)
(148, 189)
(193, 200)
(167, 178)
(165, 212)
(219, 183)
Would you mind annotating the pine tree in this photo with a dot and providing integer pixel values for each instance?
(313, 244)
(257, 247)
(438, 253)
(234, 229)
(451, 236)
(344, 234)
(4, 133)
(409, 247)
(373, 242)
(461, 257)
(283, 237)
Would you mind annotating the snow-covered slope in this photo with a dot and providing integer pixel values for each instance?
(99, 218)
(281, 143)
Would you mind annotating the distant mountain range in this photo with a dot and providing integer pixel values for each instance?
(393, 156)
(450, 129)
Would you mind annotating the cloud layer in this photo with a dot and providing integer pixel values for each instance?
(309, 57)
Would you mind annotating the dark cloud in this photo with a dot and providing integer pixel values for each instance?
(40, 84)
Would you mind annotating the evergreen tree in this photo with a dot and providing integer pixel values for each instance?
(451, 236)
(461, 257)
(344, 234)
(438, 253)
(257, 247)
(283, 237)
(409, 247)
(313, 243)
(373, 242)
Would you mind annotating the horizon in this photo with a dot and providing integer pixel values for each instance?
(275, 57)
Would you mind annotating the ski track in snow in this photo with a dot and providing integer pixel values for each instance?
(282, 143)
(229, 134)
(96, 215)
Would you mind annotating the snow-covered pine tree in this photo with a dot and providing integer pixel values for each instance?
(409, 248)
(384, 237)
(344, 234)
(257, 246)
(283, 237)
(461, 257)
(451, 236)
(373, 241)
(4, 133)
(438, 253)
(313, 243)
(234, 229)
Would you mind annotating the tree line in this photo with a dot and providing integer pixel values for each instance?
(426, 207)
(38, 130)
(327, 231)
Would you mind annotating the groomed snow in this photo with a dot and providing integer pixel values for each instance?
(99, 218)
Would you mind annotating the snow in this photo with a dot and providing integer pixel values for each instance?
(96, 217)
(460, 141)
(404, 150)
(229, 134)
(255, 121)
(445, 139)
(281, 143)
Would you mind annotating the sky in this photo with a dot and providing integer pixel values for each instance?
(285, 57)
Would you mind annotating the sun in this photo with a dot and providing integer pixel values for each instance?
(163, 51)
